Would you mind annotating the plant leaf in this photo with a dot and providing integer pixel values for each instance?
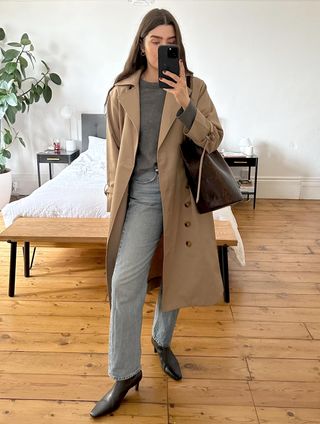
(14, 44)
(55, 78)
(18, 77)
(47, 94)
(47, 67)
(23, 72)
(10, 54)
(7, 78)
(7, 138)
(11, 99)
(25, 37)
(6, 119)
(10, 67)
(11, 114)
(25, 41)
(23, 62)
(6, 153)
(22, 142)
(32, 58)
(2, 34)
(4, 83)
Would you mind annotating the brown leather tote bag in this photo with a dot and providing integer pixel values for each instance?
(211, 181)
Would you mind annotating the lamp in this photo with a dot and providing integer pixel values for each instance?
(66, 112)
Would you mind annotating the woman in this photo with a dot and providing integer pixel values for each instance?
(149, 198)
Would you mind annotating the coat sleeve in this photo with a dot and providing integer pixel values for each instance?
(113, 143)
(206, 127)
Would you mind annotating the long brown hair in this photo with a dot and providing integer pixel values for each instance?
(150, 21)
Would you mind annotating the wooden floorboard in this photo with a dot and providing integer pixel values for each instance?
(253, 361)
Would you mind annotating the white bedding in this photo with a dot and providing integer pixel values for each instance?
(77, 192)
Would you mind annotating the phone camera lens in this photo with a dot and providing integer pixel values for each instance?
(172, 52)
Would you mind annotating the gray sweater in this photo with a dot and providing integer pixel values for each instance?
(151, 106)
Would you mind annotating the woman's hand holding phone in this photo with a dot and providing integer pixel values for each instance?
(168, 61)
(179, 85)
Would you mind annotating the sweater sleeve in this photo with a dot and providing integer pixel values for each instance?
(187, 115)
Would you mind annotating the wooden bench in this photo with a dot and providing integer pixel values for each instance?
(87, 232)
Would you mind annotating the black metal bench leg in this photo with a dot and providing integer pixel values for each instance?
(224, 269)
(220, 262)
(226, 273)
(12, 273)
(26, 252)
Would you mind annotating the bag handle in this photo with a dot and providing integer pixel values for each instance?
(200, 169)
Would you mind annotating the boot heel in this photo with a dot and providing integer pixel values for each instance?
(137, 385)
(155, 350)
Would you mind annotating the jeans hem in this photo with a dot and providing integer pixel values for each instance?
(124, 378)
(159, 343)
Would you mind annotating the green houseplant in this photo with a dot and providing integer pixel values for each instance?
(18, 91)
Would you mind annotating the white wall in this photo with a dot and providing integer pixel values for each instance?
(260, 60)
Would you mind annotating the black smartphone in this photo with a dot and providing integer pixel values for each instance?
(168, 60)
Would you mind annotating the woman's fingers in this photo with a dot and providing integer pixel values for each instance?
(176, 77)
(169, 82)
(171, 75)
(182, 70)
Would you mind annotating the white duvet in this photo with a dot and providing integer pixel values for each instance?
(77, 192)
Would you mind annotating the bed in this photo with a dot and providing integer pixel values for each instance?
(78, 190)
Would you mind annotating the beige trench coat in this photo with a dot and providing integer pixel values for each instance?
(190, 269)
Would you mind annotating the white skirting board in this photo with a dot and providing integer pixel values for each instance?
(27, 183)
(288, 188)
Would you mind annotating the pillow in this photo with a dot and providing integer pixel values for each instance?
(97, 147)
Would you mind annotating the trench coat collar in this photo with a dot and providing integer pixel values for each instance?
(130, 100)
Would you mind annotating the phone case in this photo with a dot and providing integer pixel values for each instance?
(167, 63)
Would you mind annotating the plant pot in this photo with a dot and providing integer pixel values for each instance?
(5, 187)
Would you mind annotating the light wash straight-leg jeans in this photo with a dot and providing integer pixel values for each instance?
(141, 233)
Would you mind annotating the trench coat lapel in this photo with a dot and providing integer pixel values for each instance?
(169, 114)
(130, 100)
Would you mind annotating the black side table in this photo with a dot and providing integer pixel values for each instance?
(50, 157)
(248, 162)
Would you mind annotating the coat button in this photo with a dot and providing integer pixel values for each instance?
(187, 224)
(188, 243)
(187, 204)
